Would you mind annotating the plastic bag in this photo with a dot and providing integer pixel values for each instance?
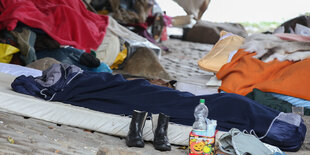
(6, 52)
(120, 58)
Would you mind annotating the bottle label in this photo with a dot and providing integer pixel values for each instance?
(199, 144)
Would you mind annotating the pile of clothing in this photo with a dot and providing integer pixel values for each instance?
(54, 28)
(144, 17)
(51, 29)
(270, 69)
(64, 32)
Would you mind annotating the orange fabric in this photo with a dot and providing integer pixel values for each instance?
(244, 73)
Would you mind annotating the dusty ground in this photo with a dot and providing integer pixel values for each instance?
(181, 61)
(32, 136)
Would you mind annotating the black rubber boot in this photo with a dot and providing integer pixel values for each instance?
(134, 137)
(161, 142)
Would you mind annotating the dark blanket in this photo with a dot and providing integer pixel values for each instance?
(270, 101)
(113, 94)
(66, 21)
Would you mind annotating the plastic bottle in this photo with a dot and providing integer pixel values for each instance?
(201, 114)
(199, 143)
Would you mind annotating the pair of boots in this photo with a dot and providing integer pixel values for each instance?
(160, 126)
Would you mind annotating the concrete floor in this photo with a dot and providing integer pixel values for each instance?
(32, 136)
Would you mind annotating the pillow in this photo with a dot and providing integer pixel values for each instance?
(218, 56)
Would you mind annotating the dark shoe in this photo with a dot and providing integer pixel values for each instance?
(134, 137)
(161, 142)
(89, 60)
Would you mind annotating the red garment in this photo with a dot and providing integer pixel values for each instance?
(66, 21)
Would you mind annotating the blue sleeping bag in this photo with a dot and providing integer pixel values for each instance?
(110, 93)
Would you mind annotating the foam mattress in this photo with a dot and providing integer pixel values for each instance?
(62, 113)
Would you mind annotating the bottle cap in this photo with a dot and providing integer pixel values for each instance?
(202, 101)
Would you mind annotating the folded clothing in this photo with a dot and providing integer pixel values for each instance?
(279, 103)
(298, 102)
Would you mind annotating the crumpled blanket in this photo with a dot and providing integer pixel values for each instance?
(269, 47)
(244, 73)
(113, 94)
(66, 21)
